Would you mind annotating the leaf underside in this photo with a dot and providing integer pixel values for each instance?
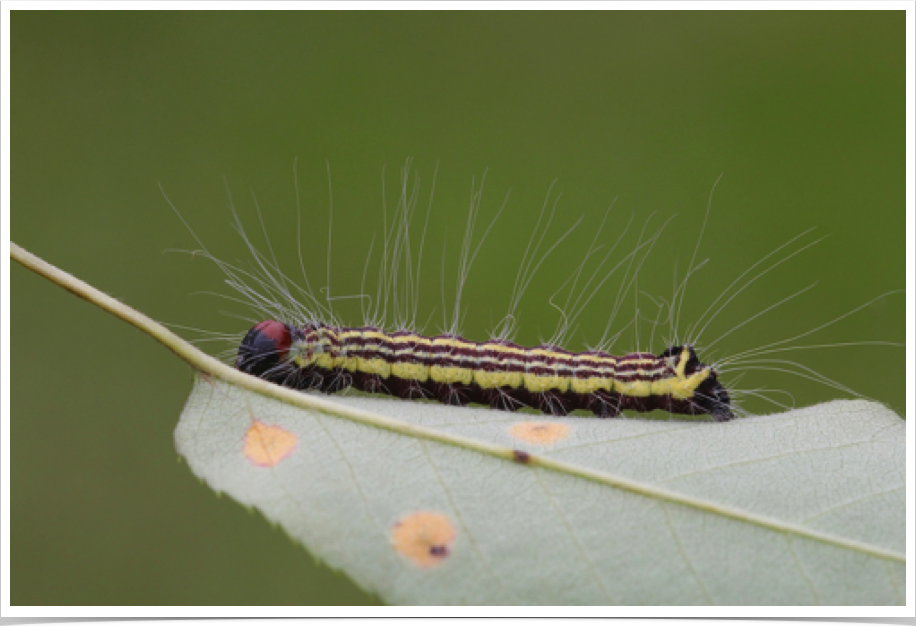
(419, 521)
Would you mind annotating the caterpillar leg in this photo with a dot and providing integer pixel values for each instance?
(603, 404)
(452, 395)
(722, 414)
(502, 400)
(553, 404)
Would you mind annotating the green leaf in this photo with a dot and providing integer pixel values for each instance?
(426, 504)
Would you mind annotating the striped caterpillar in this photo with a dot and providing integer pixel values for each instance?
(499, 374)
(299, 341)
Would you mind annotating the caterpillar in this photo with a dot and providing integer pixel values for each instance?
(300, 342)
(498, 374)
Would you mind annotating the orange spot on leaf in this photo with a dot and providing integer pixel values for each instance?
(423, 537)
(540, 433)
(268, 445)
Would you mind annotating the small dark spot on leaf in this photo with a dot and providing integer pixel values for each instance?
(438, 551)
(520, 456)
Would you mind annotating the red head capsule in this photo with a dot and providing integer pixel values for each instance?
(264, 348)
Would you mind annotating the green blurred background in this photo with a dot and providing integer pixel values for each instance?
(803, 113)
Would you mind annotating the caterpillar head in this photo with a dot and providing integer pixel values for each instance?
(264, 349)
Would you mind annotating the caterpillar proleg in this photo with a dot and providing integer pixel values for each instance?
(299, 340)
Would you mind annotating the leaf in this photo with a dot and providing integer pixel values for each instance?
(441, 506)
(448, 505)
